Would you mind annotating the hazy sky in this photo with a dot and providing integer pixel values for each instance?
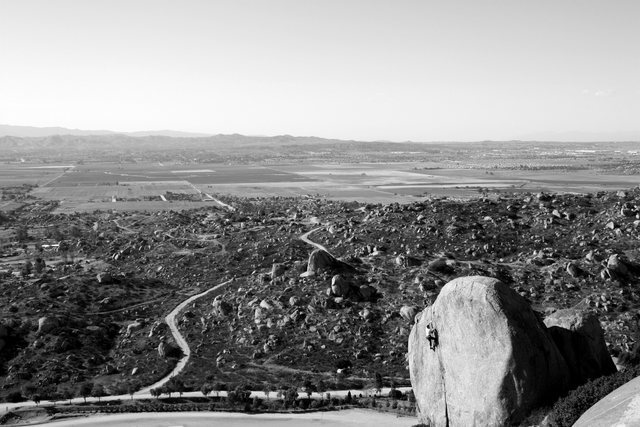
(354, 69)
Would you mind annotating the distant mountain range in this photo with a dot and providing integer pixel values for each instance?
(43, 132)
(36, 132)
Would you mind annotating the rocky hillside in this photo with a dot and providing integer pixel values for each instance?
(275, 323)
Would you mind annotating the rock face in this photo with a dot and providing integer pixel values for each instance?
(495, 360)
(580, 339)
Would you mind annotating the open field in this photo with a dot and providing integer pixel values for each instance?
(156, 186)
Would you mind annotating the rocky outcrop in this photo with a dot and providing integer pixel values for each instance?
(339, 286)
(580, 338)
(166, 350)
(277, 270)
(321, 260)
(494, 362)
(221, 308)
(408, 313)
(620, 268)
(135, 326)
(47, 324)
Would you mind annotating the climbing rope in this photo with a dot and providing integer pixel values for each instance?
(436, 349)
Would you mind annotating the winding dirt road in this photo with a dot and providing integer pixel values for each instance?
(305, 238)
(177, 336)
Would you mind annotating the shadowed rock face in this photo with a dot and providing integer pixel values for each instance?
(580, 339)
(495, 360)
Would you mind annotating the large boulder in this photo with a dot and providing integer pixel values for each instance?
(133, 327)
(277, 270)
(621, 268)
(408, 313)
(47, 324)
(579, 337)
(494, 362)
(321, 260)
(221, 308)
(339, 286)
(166, 350)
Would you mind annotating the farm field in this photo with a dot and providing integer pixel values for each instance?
(166, 186)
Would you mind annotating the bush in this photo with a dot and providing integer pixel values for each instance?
(568, 409)
(395, 394)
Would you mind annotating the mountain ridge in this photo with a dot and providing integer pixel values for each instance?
(39, 132)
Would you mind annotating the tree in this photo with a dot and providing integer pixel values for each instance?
(290, 395)
(156, 392)
(67, 394)
(241, 394)
(31, 392)
(36, 398)
(39, 265)
(27, 267)
(217, 387)
(309, 387)
(349, 398)
(132, 386)
(321, 387)
(54, 233)
(378, 382)
(22, 234)
(97, 391)
(85, 390)
(266, 390)
(206, 389)
(175, 384)
(166, 389)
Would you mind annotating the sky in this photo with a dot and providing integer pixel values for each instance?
(445, 70)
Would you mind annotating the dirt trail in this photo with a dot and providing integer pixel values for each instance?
(305, 238)
(177, 336)
(173, 326)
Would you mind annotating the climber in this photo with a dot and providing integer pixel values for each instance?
(432, 336)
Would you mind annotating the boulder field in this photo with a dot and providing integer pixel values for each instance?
(494, 359)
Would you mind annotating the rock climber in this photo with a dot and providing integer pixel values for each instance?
(432, 336)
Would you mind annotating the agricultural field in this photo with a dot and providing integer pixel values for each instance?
(159, 186)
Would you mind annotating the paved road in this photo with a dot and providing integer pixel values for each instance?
(347, 418)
